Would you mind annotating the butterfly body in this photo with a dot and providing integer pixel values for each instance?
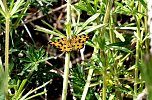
(73, 44)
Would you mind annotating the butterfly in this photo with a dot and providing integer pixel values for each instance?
(73, 44)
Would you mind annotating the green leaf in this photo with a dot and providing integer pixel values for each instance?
(32, 91)
(112, 97)
(2, 12)
(38, 94)
(15, 9)
(90, 9)
(2, 6)
(92, 29)
(119, 35)
(92, 18)
(20, 89)
(143, 3)
(82, 6)
(118, 47)
(45, 30)
(98, 96)
(2, 78)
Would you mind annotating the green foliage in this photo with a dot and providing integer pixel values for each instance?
(32, 59)
(118, 40)
(2, 78)
(32, 62)
(146, 73)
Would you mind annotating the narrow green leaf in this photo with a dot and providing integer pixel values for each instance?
(2, 6)
(92, 29)
(92, 18)
(55, 30)
(119, 48)
(119, 35)
(38, 94)
(32, 91)
(98, 96)
(18, 4)
(143, 3)
(2, 12)
(1, 81)
(42, 29)
(123, 49)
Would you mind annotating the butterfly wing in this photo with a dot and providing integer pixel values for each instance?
(66, 46)
(78, 42)
(62, 44)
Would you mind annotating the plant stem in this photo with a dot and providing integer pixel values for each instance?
(66, 74)
(87, 84)
(146, 32)
(105, 21)
(104, 74)
(104, 84)
(67, 56)
(137, 52)
(6, 56)
(108, 9)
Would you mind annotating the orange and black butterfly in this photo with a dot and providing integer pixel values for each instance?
(73, 44)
